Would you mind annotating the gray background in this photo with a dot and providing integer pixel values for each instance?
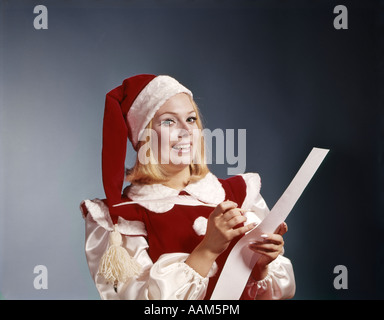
(279, 69)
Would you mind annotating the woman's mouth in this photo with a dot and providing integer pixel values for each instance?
(182, 147)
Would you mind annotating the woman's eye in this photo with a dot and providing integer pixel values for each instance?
(167, 122)
(191, 119)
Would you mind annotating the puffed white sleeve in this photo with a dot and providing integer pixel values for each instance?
(280, 281)
(169, 278)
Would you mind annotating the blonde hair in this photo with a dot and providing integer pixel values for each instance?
(151, 172)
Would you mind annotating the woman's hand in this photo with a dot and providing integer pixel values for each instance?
(270, 248)
(224, 224)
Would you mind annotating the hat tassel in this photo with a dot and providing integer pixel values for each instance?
(116, 265)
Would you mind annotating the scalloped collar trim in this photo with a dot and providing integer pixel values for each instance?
(207, 189)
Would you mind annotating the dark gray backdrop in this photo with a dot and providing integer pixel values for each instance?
(278, 69)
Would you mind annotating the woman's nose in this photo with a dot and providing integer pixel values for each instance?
(184, 130)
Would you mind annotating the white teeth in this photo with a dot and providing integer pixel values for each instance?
(182, 146)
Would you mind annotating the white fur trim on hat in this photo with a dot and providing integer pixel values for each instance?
(149, 100)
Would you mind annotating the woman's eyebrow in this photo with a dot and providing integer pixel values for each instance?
(176, 113)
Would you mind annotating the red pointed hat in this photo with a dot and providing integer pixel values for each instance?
(128, 110)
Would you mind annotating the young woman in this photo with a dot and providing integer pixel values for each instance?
(168, 234)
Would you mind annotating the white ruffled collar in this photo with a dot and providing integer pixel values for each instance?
(207, 190)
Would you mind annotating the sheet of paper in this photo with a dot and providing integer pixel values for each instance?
(241, 260)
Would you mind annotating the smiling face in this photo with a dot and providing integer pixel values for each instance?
(177, 131)
(172, 143)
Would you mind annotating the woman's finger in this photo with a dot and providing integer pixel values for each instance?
(272, 238)
(223, 207)
(242, 230)
(236, 220)
(266, 247)
(230, 214)
(281, 229)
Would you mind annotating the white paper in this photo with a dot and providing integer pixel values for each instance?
(241, 260)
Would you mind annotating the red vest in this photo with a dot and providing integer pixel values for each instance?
(172, 231)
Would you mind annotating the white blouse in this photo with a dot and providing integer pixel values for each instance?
(169, 278)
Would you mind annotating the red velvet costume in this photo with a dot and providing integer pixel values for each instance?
(172, 231)
(138, 251)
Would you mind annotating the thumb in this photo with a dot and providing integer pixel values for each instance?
(281, 229)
